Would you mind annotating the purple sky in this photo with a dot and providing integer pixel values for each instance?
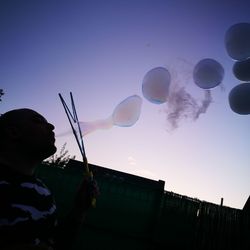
(101, 50)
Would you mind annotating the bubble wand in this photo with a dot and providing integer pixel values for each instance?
(73, 118)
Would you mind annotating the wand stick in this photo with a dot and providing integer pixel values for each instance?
(73, 117)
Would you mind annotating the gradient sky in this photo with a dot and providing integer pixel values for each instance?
(101, 50)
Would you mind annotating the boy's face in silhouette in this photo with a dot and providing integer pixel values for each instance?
(33, 134)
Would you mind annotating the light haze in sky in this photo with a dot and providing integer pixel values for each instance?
(101, 51)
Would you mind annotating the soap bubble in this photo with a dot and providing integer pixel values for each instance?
(127, 112)
(208, 73)
(239, 99)
(241, 70)
(155, 85)
(237, 41)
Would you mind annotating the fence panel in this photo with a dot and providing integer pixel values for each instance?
(136, 213)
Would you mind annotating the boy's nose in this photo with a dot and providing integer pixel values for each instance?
(52, 127)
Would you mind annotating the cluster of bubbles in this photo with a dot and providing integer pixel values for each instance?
(159, 86)
(237, 43)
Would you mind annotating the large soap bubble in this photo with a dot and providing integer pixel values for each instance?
(125, 114)
(237, 41)
(239, 99)
(155, 85)
(241, 70)
(208, 73)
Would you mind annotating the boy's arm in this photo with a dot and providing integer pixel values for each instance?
(69, 228)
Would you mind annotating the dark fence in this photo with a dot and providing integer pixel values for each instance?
(195, 224)
(136, 213)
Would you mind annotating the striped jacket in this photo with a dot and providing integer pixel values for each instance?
(27, 210)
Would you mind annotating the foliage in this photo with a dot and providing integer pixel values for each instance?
(1, 94)
(60, 160)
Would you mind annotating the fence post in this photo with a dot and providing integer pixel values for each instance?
(156, 213)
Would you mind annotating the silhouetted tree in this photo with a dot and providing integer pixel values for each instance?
(60, 160)
(1, 94)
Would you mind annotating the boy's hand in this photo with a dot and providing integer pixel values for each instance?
(87, 191)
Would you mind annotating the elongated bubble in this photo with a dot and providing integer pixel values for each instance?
(237, 41)
(127, 112)
(89, 127)
(241, 70)
(208, 73)
(155, 85)
(239, 99)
